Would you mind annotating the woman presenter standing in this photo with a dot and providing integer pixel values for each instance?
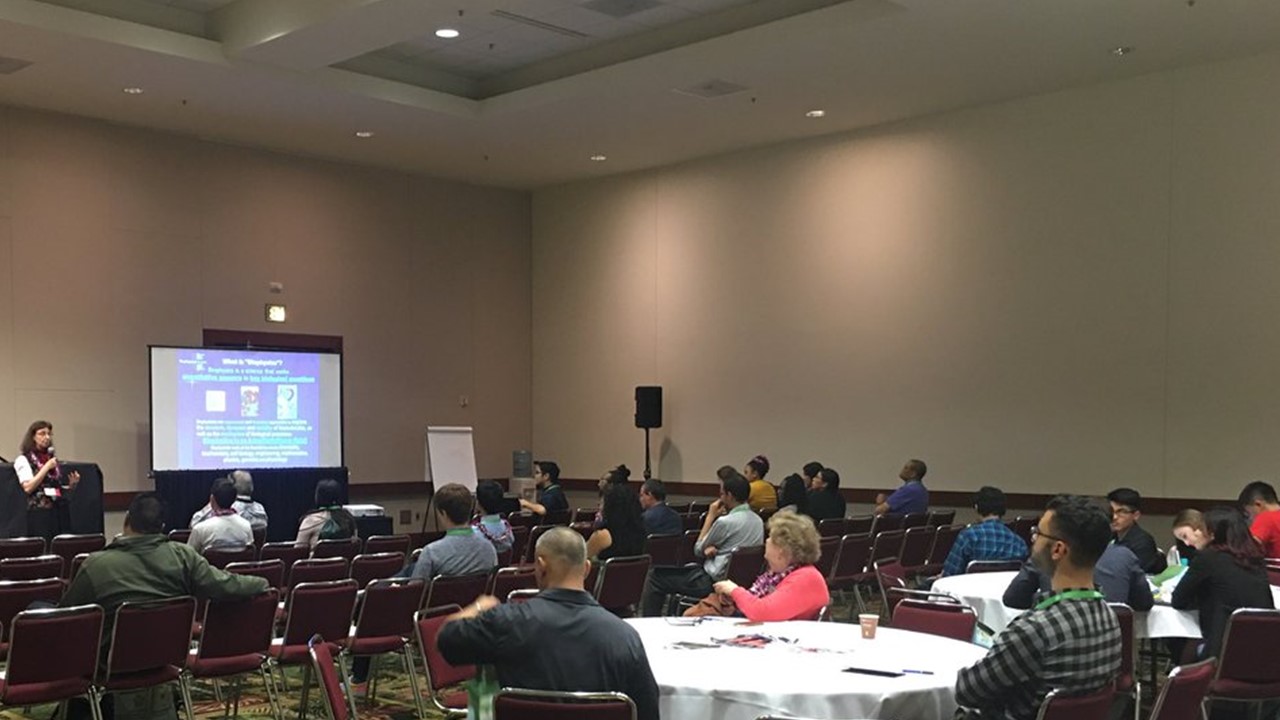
(42, 480)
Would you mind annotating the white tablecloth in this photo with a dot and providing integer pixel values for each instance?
(800, 673)
(983, 591)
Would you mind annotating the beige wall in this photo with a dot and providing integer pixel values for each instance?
(1066, 292)
(112, 239)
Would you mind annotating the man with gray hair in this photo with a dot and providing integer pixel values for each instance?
(244, 505)
(527, 643)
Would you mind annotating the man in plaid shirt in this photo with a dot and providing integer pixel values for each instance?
(989, 539)
(1069, 641)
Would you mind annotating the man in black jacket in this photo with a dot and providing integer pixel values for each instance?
(1126, 510)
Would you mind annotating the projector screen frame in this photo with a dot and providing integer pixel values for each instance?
(220, 344)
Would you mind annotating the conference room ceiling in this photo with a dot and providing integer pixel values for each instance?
(532, 89)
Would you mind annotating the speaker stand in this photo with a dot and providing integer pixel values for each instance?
(648, 472)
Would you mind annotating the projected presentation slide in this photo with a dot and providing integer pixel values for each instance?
(213, 409)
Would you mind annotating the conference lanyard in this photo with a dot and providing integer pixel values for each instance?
(460, 531)
(1069, 595)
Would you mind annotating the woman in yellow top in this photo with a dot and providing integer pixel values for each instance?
(763, 495)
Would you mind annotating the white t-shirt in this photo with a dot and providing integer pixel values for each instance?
(22, 466)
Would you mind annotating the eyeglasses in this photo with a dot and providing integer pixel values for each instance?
(1122, 511)
(1036, 532)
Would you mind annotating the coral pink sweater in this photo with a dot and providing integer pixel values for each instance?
(799, 596)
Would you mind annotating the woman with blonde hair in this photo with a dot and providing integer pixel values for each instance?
(791, 588)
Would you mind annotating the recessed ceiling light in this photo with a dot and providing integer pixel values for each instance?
(816, 113)
(1122, 50)
(447, 33)
(364, 133)
(133, 91)
(599, 158)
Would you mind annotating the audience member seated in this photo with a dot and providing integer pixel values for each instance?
(546, 475)
(1126, 511)
(224, 528)
(1189, 534)
(245, 506)
(659, 518)
(1228, 574)
(621, 530)
(559, 640)
(911, 497)
(792, 495)
(763, 495)
(791, 588)
(462, 550)
(810, 473)
(825, 500)
(1258, 500)
(988, 539)
(491, 525)
(618, 475)
(329, 521)
(730, 524)
(1070, 641)
(1117, 575)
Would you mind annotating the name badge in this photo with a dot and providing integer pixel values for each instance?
(53, 492)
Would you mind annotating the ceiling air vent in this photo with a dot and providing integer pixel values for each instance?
(712, 89)
(620, 8)
(9, 65)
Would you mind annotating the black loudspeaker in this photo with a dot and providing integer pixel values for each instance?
(649, 406)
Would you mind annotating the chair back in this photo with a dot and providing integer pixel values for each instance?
(387, 543)
(1094, 706)
(1184, 691)
(31, 568)
(54, 650)
(828, 547)
(1125, 678)
(180, 535)
(859, 524)
(943, 540)
(68, 546)
(270, 570)
(238, 627)
(460, 590)
(691, 521)
(259, 538)
(583, 528)
(505, 557)
(522, 595)
(586, 514)
(76, 562)
(887, 544)
(1249, 647)
(321, 570)
(440, 674)
(21, 547)
(537, 532)
(320, 608)
(916, 543)
(697, 507)
(765, 514)
(221, 557)
(1022, 527)
(388, 607)
(285, 552)
(622, 581)
(519, 542)
(150, 635)
(17, 595)
(687, 543)
(745, 565)
(886, 523)
(520, 704)
(376, 566)
(832, 527)
(914, 520)
(938, 518)
(507, 579)
(523, 519)
(851, 559)
(890, 576)
(344, 548)
(984, 566)
(950, 620)
(663, 550)
(331, 687)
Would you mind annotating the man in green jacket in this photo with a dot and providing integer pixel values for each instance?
(142, 564)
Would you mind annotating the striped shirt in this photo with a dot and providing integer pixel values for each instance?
(1071, 645)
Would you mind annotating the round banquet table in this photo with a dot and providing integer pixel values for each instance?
(984, 592)
(801, 671)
